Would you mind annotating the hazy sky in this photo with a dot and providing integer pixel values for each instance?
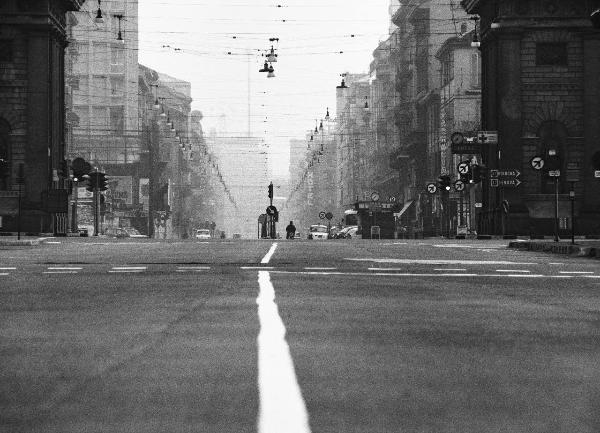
(192, 39)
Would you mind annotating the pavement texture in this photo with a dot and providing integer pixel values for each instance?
(582, 248)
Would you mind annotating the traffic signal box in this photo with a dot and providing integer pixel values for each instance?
(271, 190)
(478, 173)
(97, 181)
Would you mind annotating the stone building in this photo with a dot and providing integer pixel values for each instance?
(541, 92)
(32, 117)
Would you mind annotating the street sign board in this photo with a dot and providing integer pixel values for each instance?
(505, 173)
(487, 137)
(375, 196)
(554, 173)
(431, 188)
(537, 162)
(466, 148)
(505, 182)
(597, 173)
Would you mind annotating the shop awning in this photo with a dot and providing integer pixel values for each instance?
(407, 204)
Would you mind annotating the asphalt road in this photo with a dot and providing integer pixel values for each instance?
(103, 335)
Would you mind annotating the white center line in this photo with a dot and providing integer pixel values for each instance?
(130, 268)
(282, 407)
(267, 258)
(384, 269)
(3, 275)
(256, 268)
(448, 270)
(194, 268)
(59, 272)
(8, 269)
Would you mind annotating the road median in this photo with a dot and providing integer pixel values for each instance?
(577, 250)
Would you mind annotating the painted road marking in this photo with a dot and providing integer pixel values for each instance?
(442, 262)
(3, 275)
(267, 258)
(406, 274)
(127, 269)
(192, 268)
(281, 407)
(576, 272)
(52, 242)
(450, 269)
(65, 269)
(513, 271)
(8, 269)
(385, 269)
(60, 272)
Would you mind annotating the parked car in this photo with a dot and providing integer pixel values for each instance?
(343, 232)
(134, 233)
(236, 236)
(83, 231)
(116, 232)
(318, 231)
(202, 234)
(352, 233)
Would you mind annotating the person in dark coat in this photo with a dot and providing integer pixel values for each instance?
(290, 230)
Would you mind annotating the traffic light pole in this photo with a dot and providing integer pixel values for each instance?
(556, 238)
(96, 212)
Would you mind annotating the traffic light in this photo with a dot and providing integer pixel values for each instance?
(271, 190)
(102, 182)
(478, 173)
(444, 182)
(4, 168)
(553, 162)
(63, 169)
(92, 182)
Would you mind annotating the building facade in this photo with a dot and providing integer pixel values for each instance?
(540, 62)
(33, 36)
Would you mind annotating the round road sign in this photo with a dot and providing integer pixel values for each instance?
(457, 138)
(463, 167)
(375, 196)
(329, 216)
(392, 199)
(537, 162)
(322, 215)
(431, 188)
(271, 210)
(459, 185)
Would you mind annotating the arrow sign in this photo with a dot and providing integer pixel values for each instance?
(463, 168)
(537, 162)
(505, 173)
(459, 185)
(431, 188)
(503, 182)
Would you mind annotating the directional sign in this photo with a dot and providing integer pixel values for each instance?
(431, 188)
(466, 148)
(459, 185)
(537, 162)
(505, 182)
(463, 167)
(505, 173)
(487, 137)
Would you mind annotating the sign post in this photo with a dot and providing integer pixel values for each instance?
(20, 181)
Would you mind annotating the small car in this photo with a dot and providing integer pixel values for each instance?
(236, 236)
(134, 233)
(116, 232)
(342, 233)
(202, 234)
(318, 231)
(352, 233)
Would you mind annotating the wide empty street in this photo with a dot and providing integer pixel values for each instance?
(352, 336)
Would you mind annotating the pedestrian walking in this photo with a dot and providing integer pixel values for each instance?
(290, 230)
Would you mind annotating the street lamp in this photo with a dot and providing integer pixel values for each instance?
(99, 19)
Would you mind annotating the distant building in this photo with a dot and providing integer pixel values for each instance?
(32, 118)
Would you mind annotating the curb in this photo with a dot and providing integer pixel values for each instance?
(23, 242)
(557, 248)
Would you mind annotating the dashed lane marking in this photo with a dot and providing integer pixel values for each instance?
(4, 275)
(192, 268)
(450, 269)
(8, 269)
(65, 269)
(127, 269)
(576, 272)
(513, 271)
(442, 262)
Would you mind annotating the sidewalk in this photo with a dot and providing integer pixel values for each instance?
(11, 241)
(581, 248)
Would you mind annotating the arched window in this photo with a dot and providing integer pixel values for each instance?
(5, 154)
